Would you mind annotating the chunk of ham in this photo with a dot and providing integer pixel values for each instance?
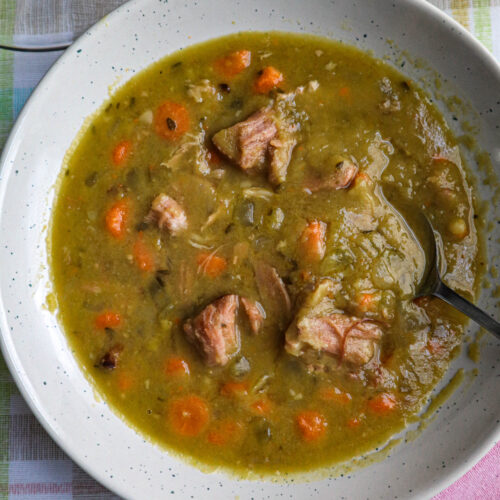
(246, 143)
(341, 176)
(319, 327)
(350, 338)
(168, 214)
(264, 134)
(214, 331)
(255, 313)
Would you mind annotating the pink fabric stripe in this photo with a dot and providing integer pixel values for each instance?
(39, 488)
(482, 482)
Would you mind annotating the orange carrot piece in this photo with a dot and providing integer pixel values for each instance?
(177, 367)
(313, 241)
(117, 218)
(334, 394)
(225, 432)
(312, 425)
(268, 79)
(382, 403)
(234, 389)
(233, 64)
(143, 256)
(121, 152)
(124, 381)
(261, 407)
(171, 120)
(108, 319)
(211, 265)
(189, 415)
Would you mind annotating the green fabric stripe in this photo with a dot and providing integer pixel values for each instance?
(482, 22)
(7, 20)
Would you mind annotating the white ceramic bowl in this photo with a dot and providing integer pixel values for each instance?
(112, 52)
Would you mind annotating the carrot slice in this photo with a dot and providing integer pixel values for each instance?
(117, 218)
(334, 394)
(189, 415)
(171, 120)
(225, 432)
(234, 389)
(268, 79)
(313, 241)
(121, 152)
(211, 265)
(108, 319)
(143, 256)
(233, 64)
(176, 367)
(312, 425)
(382, 403)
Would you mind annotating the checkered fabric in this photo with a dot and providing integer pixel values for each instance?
(32, 466)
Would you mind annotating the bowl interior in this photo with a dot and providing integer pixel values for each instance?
(119, 46)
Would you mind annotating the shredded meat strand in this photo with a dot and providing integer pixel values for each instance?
(255, 312)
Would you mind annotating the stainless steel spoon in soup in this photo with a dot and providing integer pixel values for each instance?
(431, 283)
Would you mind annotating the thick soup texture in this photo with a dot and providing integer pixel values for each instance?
(228, 269)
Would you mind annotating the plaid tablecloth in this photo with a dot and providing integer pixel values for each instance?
(31, 464)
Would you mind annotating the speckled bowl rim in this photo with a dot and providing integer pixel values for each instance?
(7, 347)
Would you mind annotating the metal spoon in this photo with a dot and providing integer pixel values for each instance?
(432, 284)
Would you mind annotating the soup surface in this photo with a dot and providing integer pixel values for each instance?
(227, 267)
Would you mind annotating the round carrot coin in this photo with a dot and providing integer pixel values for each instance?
(189, 415)
(171, 120)
(312, 425)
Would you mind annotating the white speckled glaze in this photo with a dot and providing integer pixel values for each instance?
(34, 346)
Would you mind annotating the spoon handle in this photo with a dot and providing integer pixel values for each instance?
(469, 309)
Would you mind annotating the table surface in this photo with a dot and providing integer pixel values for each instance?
(31, 464)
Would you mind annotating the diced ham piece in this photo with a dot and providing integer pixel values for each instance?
(255, 312)
(214, 330)
(246, 143)
(343, 173)
(168, 213)
(318, 327)
(360, 341)
(264, 133)
(351, 339)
